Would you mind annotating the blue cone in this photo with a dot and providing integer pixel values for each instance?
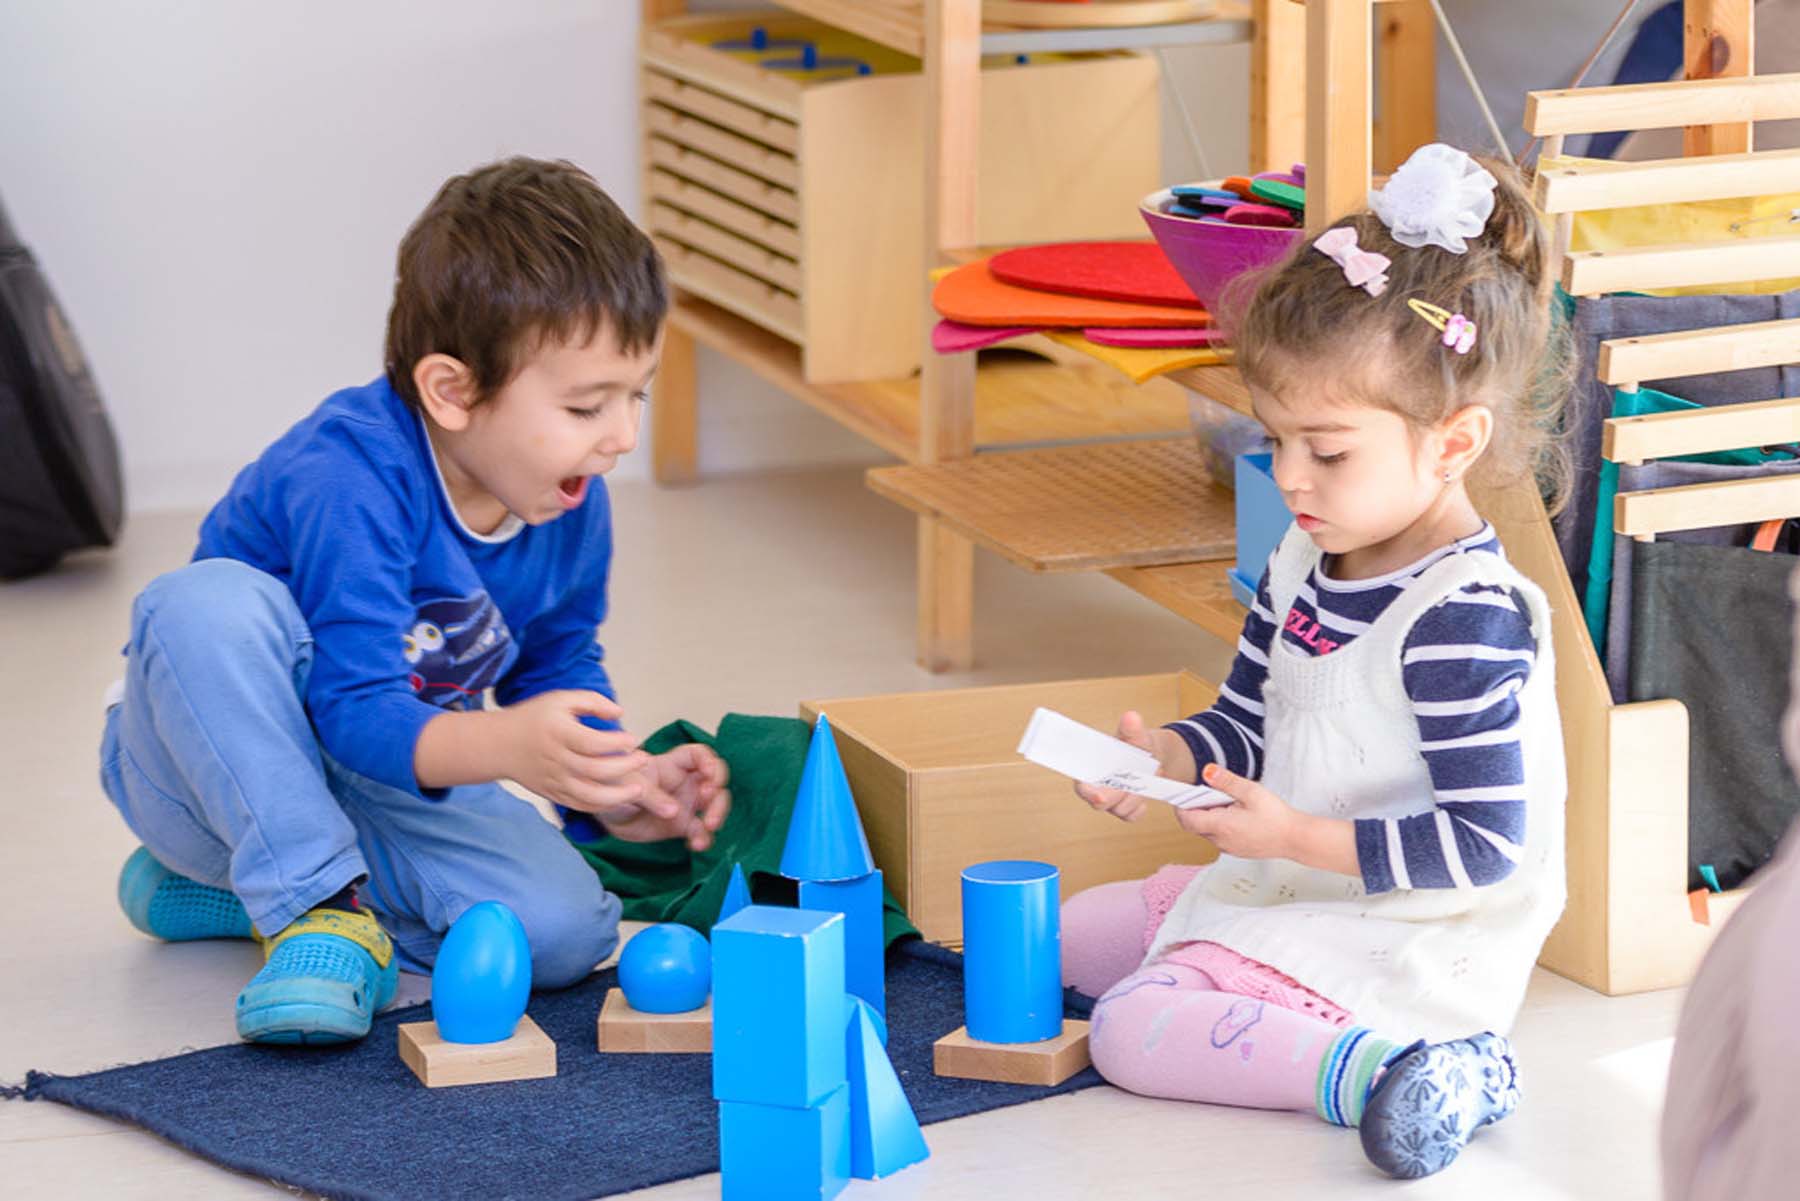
(737, 894)
(884, 1132)
(825, 839)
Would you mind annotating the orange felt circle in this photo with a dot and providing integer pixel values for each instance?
(972, 295)
(1137, 271)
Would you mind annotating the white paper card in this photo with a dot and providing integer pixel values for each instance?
(1084, 753)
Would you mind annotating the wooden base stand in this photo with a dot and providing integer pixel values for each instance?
(527, 1055)
(1047, 1063)
(622, 1028)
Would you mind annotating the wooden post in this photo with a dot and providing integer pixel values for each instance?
(1338, 103)
(1406, 82)
(946, 560)
(1718, 43)
(1277, 85)
(674, 410)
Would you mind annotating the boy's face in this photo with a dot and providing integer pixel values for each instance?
(533, 448)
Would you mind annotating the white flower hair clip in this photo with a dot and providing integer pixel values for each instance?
(1362, 268)
(1458, 330)
(1438, 197)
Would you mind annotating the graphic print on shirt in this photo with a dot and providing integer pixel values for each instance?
(456, 649)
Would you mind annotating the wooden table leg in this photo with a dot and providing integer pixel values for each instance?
(674, 411)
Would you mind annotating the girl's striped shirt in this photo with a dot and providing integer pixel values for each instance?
(1463, 664)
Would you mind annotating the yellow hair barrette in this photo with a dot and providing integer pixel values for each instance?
(1458, 330)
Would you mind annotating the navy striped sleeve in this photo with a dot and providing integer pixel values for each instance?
(1463, 665)
(1231, 732)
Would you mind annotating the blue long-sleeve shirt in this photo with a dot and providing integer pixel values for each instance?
(1462, 666)
(411, 613)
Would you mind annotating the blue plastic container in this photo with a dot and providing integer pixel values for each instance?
(1012, 951)
(1262, 518)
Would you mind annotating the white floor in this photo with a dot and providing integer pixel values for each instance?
(741, 595)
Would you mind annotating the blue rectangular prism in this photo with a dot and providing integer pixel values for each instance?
(1262, 519)
(779, 1007)
(865, 959)
(773, 1153)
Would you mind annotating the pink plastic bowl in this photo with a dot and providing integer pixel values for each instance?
(1210, 254)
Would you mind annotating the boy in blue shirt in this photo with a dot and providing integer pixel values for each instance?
(301, 740)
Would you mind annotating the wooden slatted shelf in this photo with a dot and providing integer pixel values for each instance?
(1019, 399)
(1076, 508)
(900, 24)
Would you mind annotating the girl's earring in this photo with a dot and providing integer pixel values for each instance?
(1446, 475)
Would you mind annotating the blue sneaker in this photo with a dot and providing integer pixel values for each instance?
(169, 906)
(1432, 1098)
(326, 975)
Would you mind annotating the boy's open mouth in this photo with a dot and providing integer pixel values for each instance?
(573, 490)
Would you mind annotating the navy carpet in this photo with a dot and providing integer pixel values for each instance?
(353, 1122)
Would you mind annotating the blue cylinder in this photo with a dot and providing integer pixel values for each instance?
(1012, 951)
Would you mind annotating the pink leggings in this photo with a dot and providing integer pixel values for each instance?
(1199, 1023)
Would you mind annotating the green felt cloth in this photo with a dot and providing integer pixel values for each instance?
(665, 882)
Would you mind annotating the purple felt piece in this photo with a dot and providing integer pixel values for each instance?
(954, 337)
(1154, 339)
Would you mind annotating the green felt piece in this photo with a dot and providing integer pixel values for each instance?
(1276, 192)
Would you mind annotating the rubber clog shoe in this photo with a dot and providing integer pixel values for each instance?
(169, 906)
(326, 976)
(1432, 1098)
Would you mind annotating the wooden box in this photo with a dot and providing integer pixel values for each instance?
(796, 199)
(940, 786)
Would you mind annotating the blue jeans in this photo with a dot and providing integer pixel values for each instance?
(215, 766)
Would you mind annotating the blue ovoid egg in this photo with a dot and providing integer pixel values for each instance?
(482, 977)
(666, 968)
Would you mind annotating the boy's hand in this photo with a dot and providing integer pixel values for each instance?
(1172, 757)
(1258, 825)
(684, 796)
(552, 753)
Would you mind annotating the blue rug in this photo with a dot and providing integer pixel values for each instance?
(353, 1122)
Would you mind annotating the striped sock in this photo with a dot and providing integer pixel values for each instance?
(1348, 1070)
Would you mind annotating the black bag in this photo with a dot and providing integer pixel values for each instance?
(60, 488)
(1711, 628)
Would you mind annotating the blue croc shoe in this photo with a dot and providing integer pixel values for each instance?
(1432, 1098)
(169, 906)
(326, 975)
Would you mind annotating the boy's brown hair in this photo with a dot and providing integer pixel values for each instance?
(1304, 320)
(514, 255)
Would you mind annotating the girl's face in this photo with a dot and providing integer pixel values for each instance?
(1366, 488)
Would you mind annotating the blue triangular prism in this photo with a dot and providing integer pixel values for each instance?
(884, 1132)
(825, 839)
(737, 894)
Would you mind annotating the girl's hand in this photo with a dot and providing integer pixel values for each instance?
(1257, 825)
(1171, 756)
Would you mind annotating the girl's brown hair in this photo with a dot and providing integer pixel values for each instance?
(511, 256)
(1304, 326)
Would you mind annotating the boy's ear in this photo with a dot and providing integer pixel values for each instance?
(1462, 437)
(446, 389)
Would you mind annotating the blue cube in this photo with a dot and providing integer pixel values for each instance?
(779, 1006)
(1262, 519)
(865, 959)
(773, 1153)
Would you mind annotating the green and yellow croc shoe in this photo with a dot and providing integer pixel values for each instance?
(326, 975)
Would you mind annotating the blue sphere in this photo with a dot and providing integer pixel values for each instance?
(666, 968)
(482, 977)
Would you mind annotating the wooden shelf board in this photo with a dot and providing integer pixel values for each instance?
(1076, 508)
(1019, 399)
(900, 25)
(1197, 592)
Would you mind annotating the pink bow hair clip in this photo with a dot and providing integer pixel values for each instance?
(1362, 268)
(1458, 330)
